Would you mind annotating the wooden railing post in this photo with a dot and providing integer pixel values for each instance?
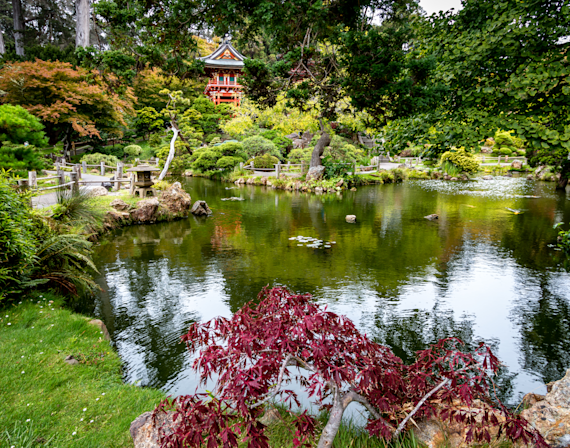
(499, 160)
(77, 169)
(277, 170)
(63, 163)
(118, 176)
(132, 184)
(74, 176)
(102, 168)
(32, 179)
(354, 172)
(379, 158)
(302, 167)
(61, 178)
(84, 164)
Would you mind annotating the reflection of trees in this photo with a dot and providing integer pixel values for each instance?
(409, 331)
(545, 335)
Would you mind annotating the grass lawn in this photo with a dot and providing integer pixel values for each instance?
(46, 402)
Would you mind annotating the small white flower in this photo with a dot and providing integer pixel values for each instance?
(96, 399)
(9, 323)
(41, 306)
(32, 327)
(28, 404)
(91, 421)
(6, 315)
(20, 303)
(81, 419)
(41, 340)
(73, 433)
(23, 371)
(84, 409)
(41, 312)
(103, 393)
(27, 420)
(53, 309)
(41, 353)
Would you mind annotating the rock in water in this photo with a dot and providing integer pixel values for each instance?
(175, 199)
(315, 172)
(145, 211)
(351, 218)
(98, 191)
(517, 165)
(551, 416)
(432, 217)
(487, 178)
(200, 208)
(120, 205)
(145, 430)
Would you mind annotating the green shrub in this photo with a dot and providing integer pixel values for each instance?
(463, 160)
(265, 161)
(228, 162)
(116, 150)
(96, 158)
(297, 155)
(258, 146)
(504, 138)
(496, 153)
(20, 158)
(132, 151)
(232, 149)
(180, 164)
(205, 159)
(17, 125)
(506, 151)
(155, 140)
(342, 151)
(17, 241)
(521, 152)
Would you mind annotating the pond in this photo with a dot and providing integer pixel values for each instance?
(484, 271)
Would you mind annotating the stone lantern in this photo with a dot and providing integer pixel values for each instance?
(143, 181)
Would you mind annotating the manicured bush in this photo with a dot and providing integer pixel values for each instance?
(342, 151)
(506, 151)
(180, 164)
(96, 158)
(132, 151)
(228, 162)
(20, 159)
(205, 159)
(462, 159)
(265, 161)
(258, 146)
(504, 138)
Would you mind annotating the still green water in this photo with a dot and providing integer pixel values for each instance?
(480, 272)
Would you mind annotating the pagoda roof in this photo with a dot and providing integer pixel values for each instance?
(225, 56)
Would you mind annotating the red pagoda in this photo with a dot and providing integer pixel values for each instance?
(224, 66)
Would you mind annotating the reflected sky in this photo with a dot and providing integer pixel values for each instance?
(480, 272)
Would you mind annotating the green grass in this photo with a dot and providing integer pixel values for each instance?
(46, 402)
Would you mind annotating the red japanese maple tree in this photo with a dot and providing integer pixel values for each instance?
(262, 348)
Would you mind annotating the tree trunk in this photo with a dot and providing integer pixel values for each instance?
(170, 153)
(82, 23)
(333, 424)
(18, 26)
(2, 47)
(322, 143)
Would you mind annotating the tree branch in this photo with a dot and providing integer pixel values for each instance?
(286, 362)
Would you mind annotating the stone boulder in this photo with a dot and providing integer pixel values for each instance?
(98, 191)
(351, 218)
(200, 208)
(120, 205)
(146, 211)
(487, 178)
(145, 430)
(551, 416)
(175, 200)
(517, 165)
(315, 172)
(432, 217)
(99, 323)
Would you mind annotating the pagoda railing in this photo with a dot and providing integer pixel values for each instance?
(215, 82)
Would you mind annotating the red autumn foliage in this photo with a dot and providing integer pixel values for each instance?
(260, 349)
(68, 100)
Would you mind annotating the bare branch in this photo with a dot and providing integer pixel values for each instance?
(286, 362)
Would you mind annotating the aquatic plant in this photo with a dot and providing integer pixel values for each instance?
(250, 355)
(563, 241)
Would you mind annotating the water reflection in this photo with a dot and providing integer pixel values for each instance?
(480, 272)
